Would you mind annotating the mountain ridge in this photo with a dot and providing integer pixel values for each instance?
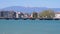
(28, 9)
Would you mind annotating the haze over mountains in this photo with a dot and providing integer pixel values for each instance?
(28, 9)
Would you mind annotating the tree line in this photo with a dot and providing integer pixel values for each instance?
(44, 14)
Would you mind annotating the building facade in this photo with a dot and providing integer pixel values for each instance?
(7, 14)
(57, 15)
(19, 15)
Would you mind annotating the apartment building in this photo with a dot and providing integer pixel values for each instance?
(7, 14)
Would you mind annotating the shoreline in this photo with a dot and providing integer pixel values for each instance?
(30, 18)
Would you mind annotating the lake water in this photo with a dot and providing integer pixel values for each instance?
(29, 26)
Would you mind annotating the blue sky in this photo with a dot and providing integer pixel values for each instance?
(30, 3)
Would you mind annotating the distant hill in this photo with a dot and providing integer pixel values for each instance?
(56, 9)
(24, 9)
(28, 9)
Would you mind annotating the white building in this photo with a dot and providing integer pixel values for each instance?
(17, 16)
(57, 15)
(25, 15)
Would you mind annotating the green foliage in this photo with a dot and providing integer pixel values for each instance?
(35, 14)
(47, 13)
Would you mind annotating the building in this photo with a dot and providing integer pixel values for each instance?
(57, 15)
(7, 14)
(19, 15)
(26, 15)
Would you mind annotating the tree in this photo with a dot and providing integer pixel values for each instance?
(47, 14)
(34, 14)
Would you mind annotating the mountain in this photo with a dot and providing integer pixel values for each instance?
(28, 9)
(24, 9)
(56, 9)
